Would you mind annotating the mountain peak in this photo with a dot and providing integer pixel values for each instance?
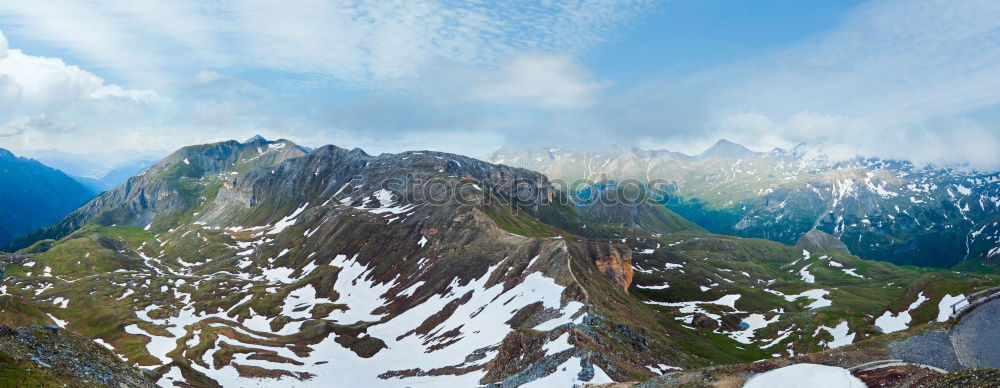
(6, 154)
(256, 139)
(727, 149)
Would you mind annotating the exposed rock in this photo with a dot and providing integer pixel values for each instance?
(518, 350)
(615, 262)
(704, 321)
(35, 356)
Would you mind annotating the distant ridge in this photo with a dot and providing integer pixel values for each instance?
(727, 149)
(880, 209)
(33, 195)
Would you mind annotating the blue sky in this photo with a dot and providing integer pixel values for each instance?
(681, 38)
(915, 80)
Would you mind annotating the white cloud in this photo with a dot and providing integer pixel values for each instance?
(532, 80)
(895, 78)
(38, 123)
(42, 99)
(3, 45)
(34, 83)
(206, 76)
(748, 121)
(279, 67)
(949, 141)
(890, 62)
(367, 43)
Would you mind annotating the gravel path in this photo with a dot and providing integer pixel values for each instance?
(932, 348)
(977, 337)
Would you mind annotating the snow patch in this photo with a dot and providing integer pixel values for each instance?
(945, 306)
(890, 322)
(806, 376)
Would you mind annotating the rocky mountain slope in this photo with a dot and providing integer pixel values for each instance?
(33, 195)
(244, 263)
(881, 209)
(237, 261)
(36, 356)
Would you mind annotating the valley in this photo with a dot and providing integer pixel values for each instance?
(881, 209)
(33, 195)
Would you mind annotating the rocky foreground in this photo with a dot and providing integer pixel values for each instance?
(39, 356)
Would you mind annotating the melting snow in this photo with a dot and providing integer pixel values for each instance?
(58, 321)
(279, 275)
(806, 276)
(287, 221)
(840, 333)
(557, 345)
(755, 322)
(410, 290)
(852, 272)
(889, 322)
(818, 296)
(944, 306)
(360, 294)
(568, 375)
(61, 302)
(806, 376)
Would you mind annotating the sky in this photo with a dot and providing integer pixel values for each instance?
(114, 81)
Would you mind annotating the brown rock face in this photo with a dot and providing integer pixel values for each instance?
(703, 321)
(615, 262)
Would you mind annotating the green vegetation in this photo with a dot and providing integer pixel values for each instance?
(519, 222)
(25, 373)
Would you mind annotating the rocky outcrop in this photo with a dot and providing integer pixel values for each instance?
(819, 241)
(612, 260)
(48, 356)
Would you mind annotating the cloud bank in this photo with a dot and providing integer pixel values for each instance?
(894, 79)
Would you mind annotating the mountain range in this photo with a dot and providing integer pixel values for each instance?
(242, 263)
(880, 209)
(33, 195)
